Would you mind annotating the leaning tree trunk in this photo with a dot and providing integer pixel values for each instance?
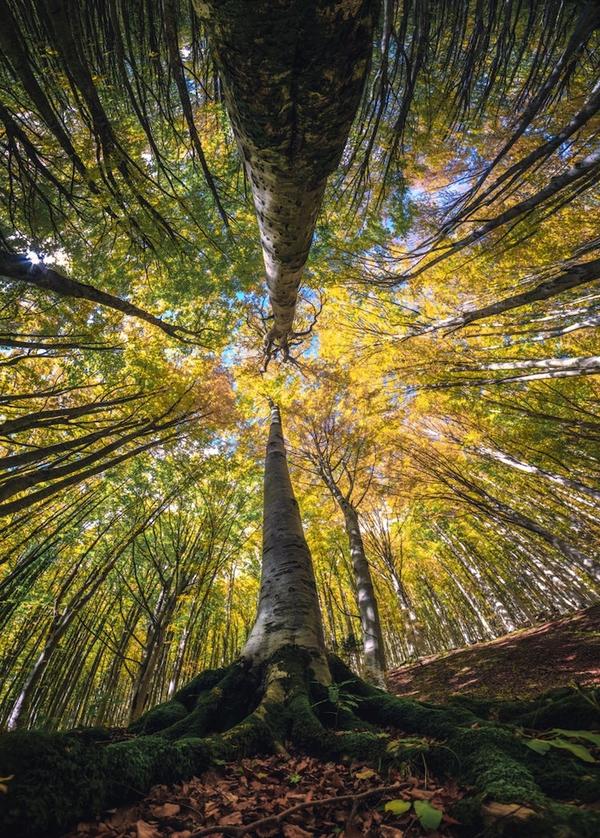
(293, 72)
(373, 651)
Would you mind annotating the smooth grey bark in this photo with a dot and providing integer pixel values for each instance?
(153, 647)
(498, 509)
(373, 651)
(413, 637)
(551, 368)
(489, 452)
(293, 72)
(378, 536)
(339, 472)
(288, 606)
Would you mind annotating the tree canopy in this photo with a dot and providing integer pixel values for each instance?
(371, 224)
(377, 220)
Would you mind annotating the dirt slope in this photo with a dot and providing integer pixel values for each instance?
(518, 665)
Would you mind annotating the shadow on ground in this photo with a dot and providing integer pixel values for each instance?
(522, 664)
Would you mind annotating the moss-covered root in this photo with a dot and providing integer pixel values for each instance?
(493, 761)
(239, 711)
(221, 715)
(59, 778)
(213, 701)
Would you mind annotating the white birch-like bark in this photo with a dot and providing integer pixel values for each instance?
(293, 72)
(373, 648)
(288, 606)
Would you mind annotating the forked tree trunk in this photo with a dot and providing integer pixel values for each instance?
(288, 606)
(293, 72)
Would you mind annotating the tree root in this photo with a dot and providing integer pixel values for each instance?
(492, 759)
(239, 711)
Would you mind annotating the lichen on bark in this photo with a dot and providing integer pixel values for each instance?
(293, 75)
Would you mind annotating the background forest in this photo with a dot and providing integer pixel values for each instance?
(441, 382)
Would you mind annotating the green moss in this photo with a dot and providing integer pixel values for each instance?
(570, 709)
(491, 758)
(189, 694)
(185, 700)
(159, 717)
(134, 765)
(564, 707)
(568, 779)
(57, 779)
(219, 708)
(253, 735)
(220, 716)
(554, 821)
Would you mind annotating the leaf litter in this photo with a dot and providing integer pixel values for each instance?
(288, 796)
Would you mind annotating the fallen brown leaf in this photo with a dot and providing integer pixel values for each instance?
(512, 811)
(234, 819)
(166, 810)
(291, 830)
(146, 830)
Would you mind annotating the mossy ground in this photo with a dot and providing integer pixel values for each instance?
(239, 711)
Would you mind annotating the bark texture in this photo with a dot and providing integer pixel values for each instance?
(374, 650)
(293, 75)
(288, 607)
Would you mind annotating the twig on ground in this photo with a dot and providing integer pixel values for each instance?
(249, 827)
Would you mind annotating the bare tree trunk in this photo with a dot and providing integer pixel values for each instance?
(19, 713)
(288, 606)
(148, 667)
(489, 452)
(374, 654)
(292, 75)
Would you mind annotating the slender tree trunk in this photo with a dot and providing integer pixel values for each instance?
(19, 713)
(148, 665)
(109, 684)
(488, 452)
(288, 606)
(374, 654)
(410, 618)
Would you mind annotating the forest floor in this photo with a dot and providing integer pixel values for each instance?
(522, 664)
(296, 796)
(289, 796)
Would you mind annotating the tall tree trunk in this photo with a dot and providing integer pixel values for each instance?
(288, 606)
(374, 653)
(148, 667)
(293, 72)
(19, 713)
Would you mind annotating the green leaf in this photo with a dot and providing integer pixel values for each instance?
(579, 751)
(365, 774)
(580, 734)
(397, 807)
(429, 817)
(540, 746)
